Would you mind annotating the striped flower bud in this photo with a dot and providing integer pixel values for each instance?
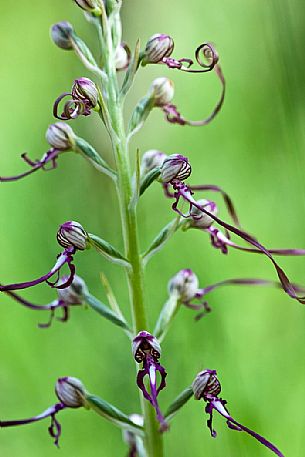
(60, 136)
(74, 294)
(175, 166)
(85, 90)
(152, 159)
(200, 220)
(61, 34)
(91, 6)
(206, 385)
(145, 344)
(185, 284)
(72, 234)
(157, 47)
(162, 90)
(70, 391)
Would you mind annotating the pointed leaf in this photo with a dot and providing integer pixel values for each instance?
(113, 414)
(160, 240)
(106, 312)
(107, 250)
(90, 154)
(149, 178)
(132, 69)
(179, 402)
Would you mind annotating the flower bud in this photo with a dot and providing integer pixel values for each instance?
(61, 34)
(162, 91)
(128, 436)
(185, 284)
(145, 344)
(70, 391)
(60, 136)
(84, 89)
(206, 384)
(91, 6)
(200, 220)
(157, 47)
(152, 159)
(122, 57)
(73, 294)
(72, 234)
(175, 166)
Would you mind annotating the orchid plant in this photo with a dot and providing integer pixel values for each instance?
(105, 97)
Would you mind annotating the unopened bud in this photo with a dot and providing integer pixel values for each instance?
(185, 284)
(91, 6)
(73, 294)
(198, 219)
(175, 166)
(70, 391)
(145, 344)
(152, 159)
(122, 57)
(157, 47)
(130, 437)
(72, 234)
(61, 34)
(162, 91)
(84, 89)
(60, 136)
(206, 384)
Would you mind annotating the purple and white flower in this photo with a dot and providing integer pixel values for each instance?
(72, 236)
(71, 394)
(61, 138)
(146, 349)
(206, 386)
(84, 99)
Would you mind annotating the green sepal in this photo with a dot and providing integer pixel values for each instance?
(107, 250)
(166, 315)
(161, 239)
(90, 154)
(106, 312)
(140, 114)
(149, 178)
(179, 402)
(113, 414)
(131, 71)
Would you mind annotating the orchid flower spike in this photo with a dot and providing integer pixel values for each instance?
(84, 98)
(206, 386)
(70, 393)
(174, 171)
(72, 237)
(61, 138)
(146, 349)
(73, 295)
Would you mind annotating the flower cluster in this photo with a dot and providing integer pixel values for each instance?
(174, 171)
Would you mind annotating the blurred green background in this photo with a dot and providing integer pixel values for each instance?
(255, 150)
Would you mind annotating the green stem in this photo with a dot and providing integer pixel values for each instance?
(135, 274)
